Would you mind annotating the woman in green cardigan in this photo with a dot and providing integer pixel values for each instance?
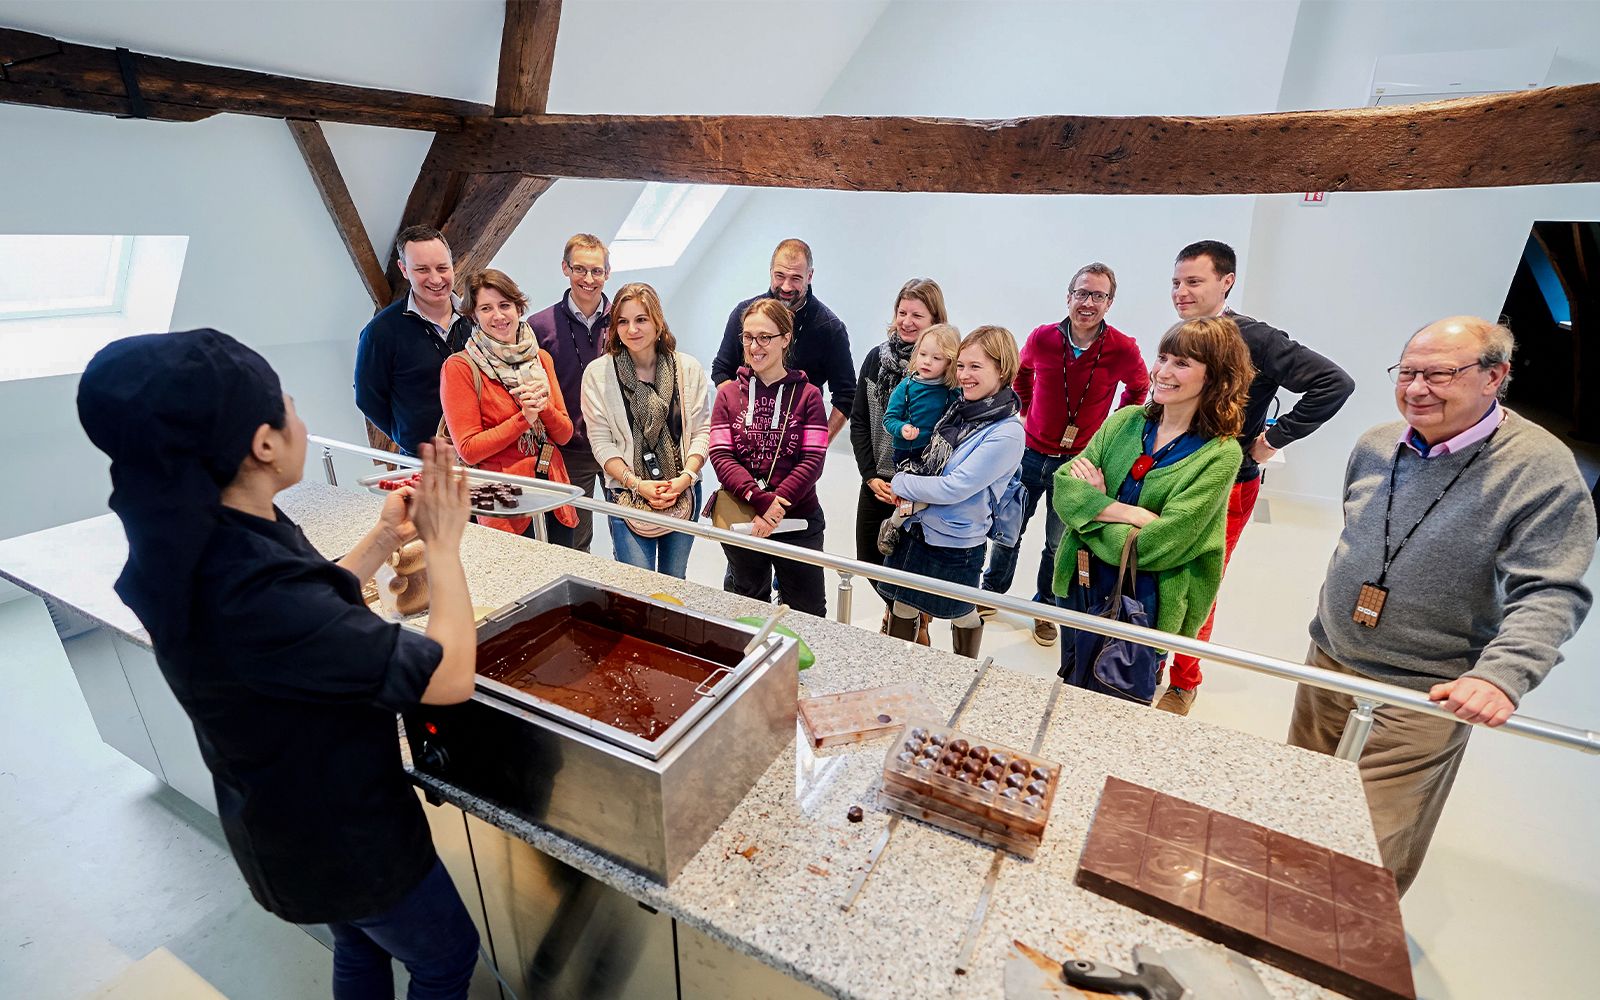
(1164, 468)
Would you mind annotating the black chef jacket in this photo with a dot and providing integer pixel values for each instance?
(293, 685)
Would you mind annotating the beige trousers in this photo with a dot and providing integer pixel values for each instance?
(1407, 767)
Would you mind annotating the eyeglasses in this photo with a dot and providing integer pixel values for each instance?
(579, 271)
(1436, 377)
(1084, 295)
(761, 340)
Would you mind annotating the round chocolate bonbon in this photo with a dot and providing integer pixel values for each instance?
(994, 773)
(926, 762)
(854, 815)
(1033, 800)
(930, 751)
(979, 753)
(937, 739)
(1014, 780)
(988, 784)
(1040, 774)
(1019, 766)
(1010, 793)
(961, 747)
(919, 733)
(999, 759)
(1036, 788)
(970, 766)
(905, 756)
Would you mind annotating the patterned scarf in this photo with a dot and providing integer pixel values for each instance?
(512, 365)
(894, 364)
(960, 422)
(650, 410)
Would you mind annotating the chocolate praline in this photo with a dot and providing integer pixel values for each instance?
(950, 758)
(913, 745)
(988, 784)
(970, 766)
(1033, 800)
(854, 815)
(1014, 780)
(1036, 788)
(979, 753)
(937, 739)
(993, 773)
(930, 751)
(1019, 766)
(905, 756)
(1010, 793)
(919, 733)
(1040, 774)
(926, 763)
(999, 759)
(960, 747)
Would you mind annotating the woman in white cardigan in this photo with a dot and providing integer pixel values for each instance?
(648, 410)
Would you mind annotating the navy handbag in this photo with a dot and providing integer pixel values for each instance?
(1116, 667)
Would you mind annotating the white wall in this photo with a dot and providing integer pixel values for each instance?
(264, 264)
(1006, 259)
(1358, 275)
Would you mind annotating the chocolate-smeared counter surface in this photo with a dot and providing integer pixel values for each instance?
(1304, 908)
(621, 680)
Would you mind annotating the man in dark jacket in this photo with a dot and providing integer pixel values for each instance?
(573, 332)
(821, 342)
(403, 347)
(1202, 277)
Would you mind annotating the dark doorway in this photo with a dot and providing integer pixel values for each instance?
(1553, 307)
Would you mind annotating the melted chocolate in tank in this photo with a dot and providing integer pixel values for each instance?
(632, 684)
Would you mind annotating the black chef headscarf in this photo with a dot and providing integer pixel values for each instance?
(176, 412)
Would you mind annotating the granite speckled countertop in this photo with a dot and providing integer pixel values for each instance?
(770, 881)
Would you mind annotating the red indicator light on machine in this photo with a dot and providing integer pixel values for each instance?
(432, 729)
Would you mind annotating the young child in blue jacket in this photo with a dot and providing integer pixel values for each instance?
(916, 405)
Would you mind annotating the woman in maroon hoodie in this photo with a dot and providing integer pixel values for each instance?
(769, 433)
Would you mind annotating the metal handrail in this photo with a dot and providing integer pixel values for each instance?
(1368, 694)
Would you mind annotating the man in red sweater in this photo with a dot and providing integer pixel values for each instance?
(1068, 378)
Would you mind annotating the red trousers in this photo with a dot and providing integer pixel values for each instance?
(1185, 670)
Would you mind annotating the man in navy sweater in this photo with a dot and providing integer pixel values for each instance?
(1202, 277)
(573, 332)
(821, 342)
(403, 347)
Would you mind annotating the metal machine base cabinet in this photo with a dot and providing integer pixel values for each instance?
(556, 933)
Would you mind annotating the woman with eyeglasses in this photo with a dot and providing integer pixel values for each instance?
(647, 407)
(769, 435)
(1165, 468)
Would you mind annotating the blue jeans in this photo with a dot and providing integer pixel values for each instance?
(668, 554)
(429, 931)
(1038, 482)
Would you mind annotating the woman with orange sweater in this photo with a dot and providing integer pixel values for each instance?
(502, 402)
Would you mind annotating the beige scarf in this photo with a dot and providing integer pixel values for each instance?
(511, 365)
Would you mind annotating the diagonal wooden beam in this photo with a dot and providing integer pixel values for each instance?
(1549, 136)
(41, 70)
(527, 56)
(490, 209)
(433, 197)
(314, 149)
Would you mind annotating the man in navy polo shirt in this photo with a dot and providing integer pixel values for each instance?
(403, 347)
(821, 346)
(573, 332)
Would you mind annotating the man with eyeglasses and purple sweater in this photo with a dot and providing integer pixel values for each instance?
(1459, 574)
(574, 332)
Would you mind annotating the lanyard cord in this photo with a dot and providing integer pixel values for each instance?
(1067, 359)
(1388, 507)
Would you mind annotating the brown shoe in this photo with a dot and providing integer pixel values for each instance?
(1044, 633)
(1177, 700)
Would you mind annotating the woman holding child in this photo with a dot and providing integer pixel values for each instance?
(769, 435)
(971, 455)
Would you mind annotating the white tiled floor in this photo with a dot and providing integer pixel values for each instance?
(100, 865)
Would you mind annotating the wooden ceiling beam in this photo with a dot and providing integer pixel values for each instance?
(314, 149)
(1549, 136)
(527, 56)
(491, 207)
(44, 71)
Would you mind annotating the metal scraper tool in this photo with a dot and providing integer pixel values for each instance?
(1203, 972)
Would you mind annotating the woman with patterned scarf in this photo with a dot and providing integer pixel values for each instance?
(647, 406)
(973, 452)
(918, 305)
(502, 404)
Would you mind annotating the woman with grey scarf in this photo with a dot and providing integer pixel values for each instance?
(648, 410)
(919, 305)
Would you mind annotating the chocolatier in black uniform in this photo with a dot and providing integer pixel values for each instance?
(291, 682)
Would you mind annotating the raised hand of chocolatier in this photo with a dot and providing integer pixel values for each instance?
(442, 502)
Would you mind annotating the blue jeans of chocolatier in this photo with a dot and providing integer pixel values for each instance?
(429, 931)
(668, 554)
(1038, 483)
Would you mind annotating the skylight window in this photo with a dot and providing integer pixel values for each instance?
(62, 298)
(662, 224)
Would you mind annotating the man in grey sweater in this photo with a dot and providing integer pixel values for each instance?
(1460, 573)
